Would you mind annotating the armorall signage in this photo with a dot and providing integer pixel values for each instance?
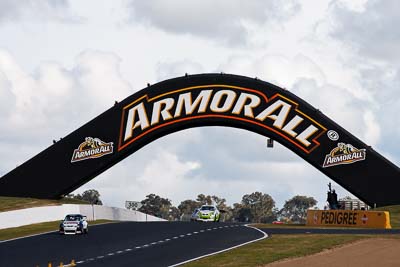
(92, 148)
(278, 114)
(344, 154)
(207, 100)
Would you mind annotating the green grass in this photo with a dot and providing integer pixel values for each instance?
(15, 203)
(36, 228)
(278, 247)
(275, 248)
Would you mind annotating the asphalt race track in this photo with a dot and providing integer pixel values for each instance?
(144, 244)
(127, 244)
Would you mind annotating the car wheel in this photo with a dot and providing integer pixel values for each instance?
(86, 231)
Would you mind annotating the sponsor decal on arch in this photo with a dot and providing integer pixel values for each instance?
(344, 154)
(277, 113)
(92, 148)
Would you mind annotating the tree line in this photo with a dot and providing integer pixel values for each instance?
(256, 207)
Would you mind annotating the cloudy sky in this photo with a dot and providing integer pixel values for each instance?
(62, 62)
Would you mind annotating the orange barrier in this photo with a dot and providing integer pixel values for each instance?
(349, 218)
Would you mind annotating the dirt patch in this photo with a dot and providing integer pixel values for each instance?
(380, 252)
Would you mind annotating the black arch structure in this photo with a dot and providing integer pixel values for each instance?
(206, 100)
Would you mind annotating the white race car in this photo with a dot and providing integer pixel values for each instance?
(208, 213)
(74, 224)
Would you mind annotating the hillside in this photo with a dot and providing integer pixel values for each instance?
(15, 203)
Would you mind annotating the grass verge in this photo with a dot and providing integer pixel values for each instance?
(278, 247)
(15, 203)
(36, 228)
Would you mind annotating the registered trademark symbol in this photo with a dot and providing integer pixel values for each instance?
(333, 135)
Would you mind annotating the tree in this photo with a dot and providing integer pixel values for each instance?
(92, 196)
(174, 214)
(296, 208)
(241, 213)
(156, 205)
(212, 200)
(261, 206)
(204, 200)
(256, 207)
(188, 206)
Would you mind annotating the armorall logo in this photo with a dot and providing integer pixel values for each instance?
(344, 154)
(92, 148)
(277, 113)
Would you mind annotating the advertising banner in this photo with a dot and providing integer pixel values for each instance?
(349, 218)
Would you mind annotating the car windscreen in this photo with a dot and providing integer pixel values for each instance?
(72, 218)
(207, 208)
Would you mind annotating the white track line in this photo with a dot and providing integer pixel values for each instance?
(265, 235)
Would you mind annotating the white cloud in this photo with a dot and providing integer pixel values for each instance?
(7, 97)
(54, 100)
(350, 112)
(354, 5)
(369, 30)
(275, 68)
(153, 169)
(223, 20)
(99, 75)
(307, 80)
(56, 10)
(168, 70)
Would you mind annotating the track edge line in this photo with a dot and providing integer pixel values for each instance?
(265, 235)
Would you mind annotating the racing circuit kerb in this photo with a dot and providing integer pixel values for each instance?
(206, 100)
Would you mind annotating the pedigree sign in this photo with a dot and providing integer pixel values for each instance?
(277, 113)
(349, 218)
